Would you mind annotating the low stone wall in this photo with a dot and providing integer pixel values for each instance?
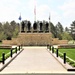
(10, 42)
(6, 42)
(5, 46)
(56, 41)
(66, 46)
(63, 42)
(34, 39)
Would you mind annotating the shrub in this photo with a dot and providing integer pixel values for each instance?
(7, 56)
(73, 65)
(61, 55)
(71, 62)
(67, 59)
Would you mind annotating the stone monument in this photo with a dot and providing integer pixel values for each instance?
(37, 35)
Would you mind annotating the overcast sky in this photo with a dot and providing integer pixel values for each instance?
(60, 10)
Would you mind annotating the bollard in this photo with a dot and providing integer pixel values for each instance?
(47, 46)
(11, 53)
(16, 49)
(64, 58)
(3, 58)
(19, 47)
(56, 52)
(52, 49)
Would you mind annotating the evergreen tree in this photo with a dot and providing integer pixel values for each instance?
(53, 29)
(73, 30)
(59, 30)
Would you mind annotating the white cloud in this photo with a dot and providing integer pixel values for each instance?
(8, 10)
(68, 9)
(68, 12)
(43, 12)
(55, 17)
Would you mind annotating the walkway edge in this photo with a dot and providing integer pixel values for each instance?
(10, 61)
(66, 66)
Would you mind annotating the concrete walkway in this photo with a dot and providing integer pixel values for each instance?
(34, 60)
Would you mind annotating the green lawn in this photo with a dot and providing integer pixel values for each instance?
(70, 53)
(5, 51)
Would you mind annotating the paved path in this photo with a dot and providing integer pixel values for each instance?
(34, 60)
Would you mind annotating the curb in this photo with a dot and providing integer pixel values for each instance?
(10, 61)
(66, 66)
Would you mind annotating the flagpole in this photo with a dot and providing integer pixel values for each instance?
(49, 23)
(34, 10)
(20, 26)
(20, 22)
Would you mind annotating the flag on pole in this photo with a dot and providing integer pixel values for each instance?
(20, 17)
(20, 21)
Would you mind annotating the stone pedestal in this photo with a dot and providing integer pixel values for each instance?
(35, 39)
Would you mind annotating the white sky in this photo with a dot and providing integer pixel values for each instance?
(62, 11)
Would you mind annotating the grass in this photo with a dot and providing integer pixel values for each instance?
(70, 53)
(0, 43)
(5, 51)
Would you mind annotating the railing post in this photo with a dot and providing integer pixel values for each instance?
(11, 53)
(52, 49)
(56, 52)
(16, 49)
(64, 58)
(47, 46)
(19, 47)
(3, 58)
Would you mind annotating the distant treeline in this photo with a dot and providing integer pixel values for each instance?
(11, 30)
(8, 30)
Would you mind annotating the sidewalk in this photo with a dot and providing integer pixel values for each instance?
(34, 60)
